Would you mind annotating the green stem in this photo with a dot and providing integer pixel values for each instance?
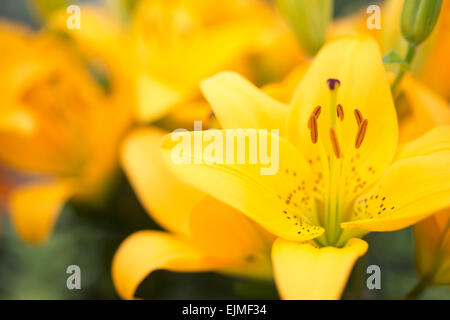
(420, 287)
(426, 280)
(408, 59)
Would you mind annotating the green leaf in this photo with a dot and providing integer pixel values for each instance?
(394, 57)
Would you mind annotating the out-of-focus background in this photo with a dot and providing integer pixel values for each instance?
(88, 237)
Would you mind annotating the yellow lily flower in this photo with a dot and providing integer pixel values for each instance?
(432, 237)
(72, 149)
(204, 234)
(195, 39)
(13, 117)
(336, 179)
(419, 108)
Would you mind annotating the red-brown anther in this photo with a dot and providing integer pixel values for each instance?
(314, 132)
(340, 112)
(358, 116)
(335, 143)
(315, 114)
(317, 111)
(361, 133)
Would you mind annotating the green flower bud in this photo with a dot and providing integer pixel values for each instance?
(419, 18)
(309, 21)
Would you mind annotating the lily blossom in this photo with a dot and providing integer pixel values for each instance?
(337, 180)
(71, 151)
(203, 234)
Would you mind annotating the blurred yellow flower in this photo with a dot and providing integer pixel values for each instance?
(431, 64)
(204, 234)
(77, 123)
(180, 42)
(336, 180)
(432, 238)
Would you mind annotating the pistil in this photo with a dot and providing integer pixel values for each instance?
(334, 198)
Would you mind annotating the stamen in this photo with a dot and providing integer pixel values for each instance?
(333, 83)
(358, 116)
(334, 143)
(361, 133)
(314, 132)
(340, 112)
(316, 114)
(316, 111)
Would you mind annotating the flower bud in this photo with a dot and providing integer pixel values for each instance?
(309, 21)
(419, 18)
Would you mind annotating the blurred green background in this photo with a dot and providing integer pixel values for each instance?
(88, 237)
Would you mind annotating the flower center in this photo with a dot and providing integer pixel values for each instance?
(333, 193)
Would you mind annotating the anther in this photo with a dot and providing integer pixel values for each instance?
(334, 143)
(316, 111)
(314, 132)
(315, 114)
(340, 112)
(358, 116)
(361, 133)
(333, 83)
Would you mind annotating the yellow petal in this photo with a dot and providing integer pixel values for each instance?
(432, 242)
(357, 63)
(437, 139)
(284, 91)
(146, 251)
(426, 109)
(412, 189)
(166, 199)
(436, 70)
(184, 41)
(35, 208)
(184, 115)
(225, 233)
(239, 104)
(277, 194)
(305, 272)
(155, 98)
(17, 120)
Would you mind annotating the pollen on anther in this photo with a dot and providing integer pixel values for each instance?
(317, 111)
(361, 133)
(314, 132)
(334, 143)
(358, 116)
(340, 112)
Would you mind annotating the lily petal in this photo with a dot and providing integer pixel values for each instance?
(437, 139)
(284, 91)
(146, 251)
(155, 98)
(18, 120)
(356, 62)
(154, 184)
(305, 272)
(239, 104)
(35, 208)
(278, 195)
(432, 242)
(413, 187)
(428, 109)
(225, 233)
